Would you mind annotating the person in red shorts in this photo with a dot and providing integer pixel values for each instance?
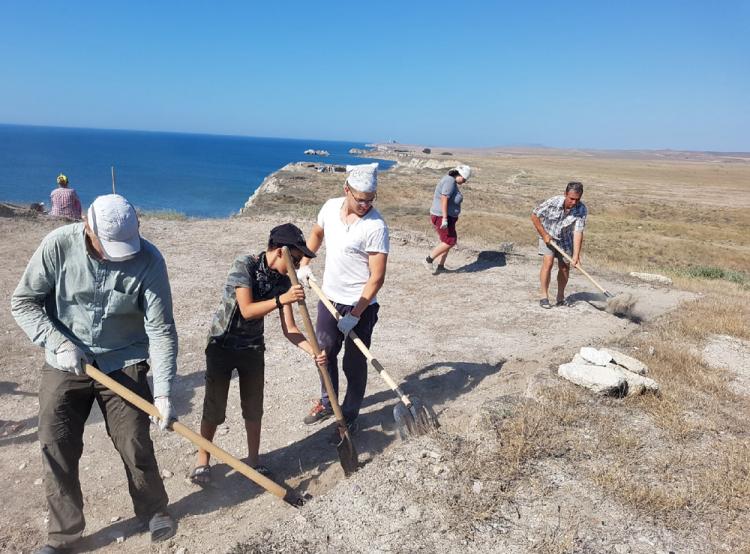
(446, 207)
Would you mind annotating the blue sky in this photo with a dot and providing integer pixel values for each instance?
(576, 74)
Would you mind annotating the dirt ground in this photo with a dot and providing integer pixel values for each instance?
(462, 341)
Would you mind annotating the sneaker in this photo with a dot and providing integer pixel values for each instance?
(440, 269)
(318, 413)
(429, 266)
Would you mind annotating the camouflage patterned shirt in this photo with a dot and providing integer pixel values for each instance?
(228, 327)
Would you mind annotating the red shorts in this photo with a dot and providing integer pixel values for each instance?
(447, 235)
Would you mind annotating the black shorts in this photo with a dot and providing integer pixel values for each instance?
(220, 363)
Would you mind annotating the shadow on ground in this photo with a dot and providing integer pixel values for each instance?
(436, 383)
(487, 259)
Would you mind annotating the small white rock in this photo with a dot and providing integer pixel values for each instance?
(114, 518)
(38, 481)
(119, 539)
(477, 487)
(166, 474)
(22, 466)
(181, 550)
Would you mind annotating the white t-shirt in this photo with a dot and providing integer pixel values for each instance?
(347, 249)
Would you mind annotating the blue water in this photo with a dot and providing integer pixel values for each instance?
(199, 175)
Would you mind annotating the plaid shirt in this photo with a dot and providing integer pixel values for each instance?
(65, 203)
(559, 223)
(228, 327)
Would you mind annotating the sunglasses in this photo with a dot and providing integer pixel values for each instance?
(363, 201)
(296, 260)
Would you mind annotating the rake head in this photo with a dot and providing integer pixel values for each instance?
(415, 420)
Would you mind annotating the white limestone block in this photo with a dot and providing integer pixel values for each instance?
(600, 379)
(628, 362)
(651, 278)
(595, 356)
(637, 384)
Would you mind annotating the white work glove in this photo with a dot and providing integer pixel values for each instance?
(303, 274)
(70, 358)
(347, 323)
(164, 406)
(444, 223)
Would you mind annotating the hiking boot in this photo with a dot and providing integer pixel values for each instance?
(318, 413)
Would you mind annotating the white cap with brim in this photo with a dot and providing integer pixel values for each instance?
(114, 222)
(464, 171)
(363, 178)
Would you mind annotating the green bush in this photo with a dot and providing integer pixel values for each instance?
(711, 272)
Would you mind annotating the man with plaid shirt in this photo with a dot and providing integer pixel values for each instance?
(562, 219)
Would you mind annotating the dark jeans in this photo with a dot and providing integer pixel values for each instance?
(65, 401)
(354, 363)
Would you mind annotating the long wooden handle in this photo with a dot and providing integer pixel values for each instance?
(361, 345)
(313, 340)
(579, 268)
(192, 436)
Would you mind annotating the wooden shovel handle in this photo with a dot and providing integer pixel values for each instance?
(361, 345)
(564, 254)
(313, 340)
(192, 436)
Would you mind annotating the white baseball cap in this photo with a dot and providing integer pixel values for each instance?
(363, 178)
(464, 171)
(114, 222)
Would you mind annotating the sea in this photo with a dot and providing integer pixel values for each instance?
(194, 174)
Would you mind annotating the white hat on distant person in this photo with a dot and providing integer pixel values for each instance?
(464, 171)
(114, 221)
(363, 178)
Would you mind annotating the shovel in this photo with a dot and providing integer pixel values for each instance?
(411, 415)
(620, 304)
(345, 447)
(288, 496)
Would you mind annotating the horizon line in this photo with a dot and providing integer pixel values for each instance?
(539, 146)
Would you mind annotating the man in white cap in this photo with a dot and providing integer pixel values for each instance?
(96, 292)
(444, 212)
(357, 245)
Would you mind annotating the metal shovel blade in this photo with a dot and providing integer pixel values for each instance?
(347, 453)
(415, 420)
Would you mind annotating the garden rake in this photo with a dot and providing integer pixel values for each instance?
(412, 416)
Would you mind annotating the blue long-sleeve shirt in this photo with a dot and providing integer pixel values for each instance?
(116, 312)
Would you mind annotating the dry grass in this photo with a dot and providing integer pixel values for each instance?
(667, 215)
(680, 460)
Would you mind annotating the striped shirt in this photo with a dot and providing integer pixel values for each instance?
(561, 223)
(65, 203)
